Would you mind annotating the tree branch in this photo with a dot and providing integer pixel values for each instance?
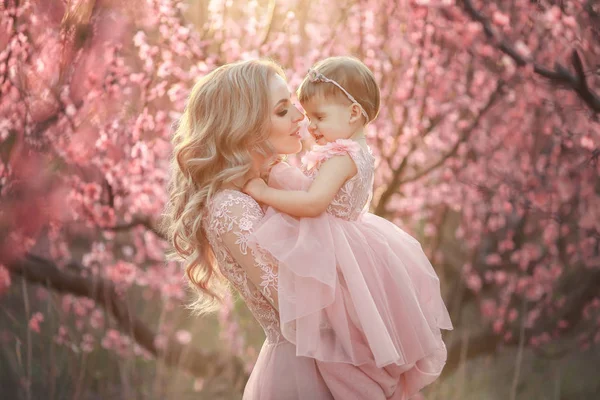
(397, 180)
(197, 362)
(560, 75)
(463, 138)
(141, 221)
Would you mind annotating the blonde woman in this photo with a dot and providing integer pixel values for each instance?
(238, 120)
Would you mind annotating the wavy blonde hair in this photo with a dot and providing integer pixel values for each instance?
(226, 115)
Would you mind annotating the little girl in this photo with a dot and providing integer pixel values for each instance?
(353, 287)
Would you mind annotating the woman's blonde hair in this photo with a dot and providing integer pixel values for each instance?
(226, 115)
(350, 73)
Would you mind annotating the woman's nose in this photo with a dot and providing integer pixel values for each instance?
(299, 116)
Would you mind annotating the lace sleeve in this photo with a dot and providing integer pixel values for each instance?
(233, 222)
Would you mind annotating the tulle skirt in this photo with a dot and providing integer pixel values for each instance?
(279, 374)
(359, 292)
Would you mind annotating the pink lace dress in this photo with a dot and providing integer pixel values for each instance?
(279, 374)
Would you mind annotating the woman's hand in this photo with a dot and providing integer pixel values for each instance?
(256, 188)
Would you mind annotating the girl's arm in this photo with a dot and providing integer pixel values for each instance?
(331, 177)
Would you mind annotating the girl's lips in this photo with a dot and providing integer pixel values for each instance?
(296, 132)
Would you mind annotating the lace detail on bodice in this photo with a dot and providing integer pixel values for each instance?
(355, 195)
(229, 219)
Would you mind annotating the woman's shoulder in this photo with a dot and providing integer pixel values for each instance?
(230, 206)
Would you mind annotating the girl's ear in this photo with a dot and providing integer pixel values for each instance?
(355, 113)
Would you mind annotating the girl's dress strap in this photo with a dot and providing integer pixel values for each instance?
(319, 154)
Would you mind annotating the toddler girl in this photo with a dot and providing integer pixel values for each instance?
(353, 287)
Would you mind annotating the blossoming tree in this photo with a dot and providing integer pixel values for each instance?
(487, 147)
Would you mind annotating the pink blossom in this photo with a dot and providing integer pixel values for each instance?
(198, 384)
(493, 259)
(87, 345)
(522, 49)
(184, 337)
(122, 272)
(512, 315)
(563, 324)
(4, 279)
(160, 341)
(488, 308)
(500, 277)
(34, 322)
(500, 19)
(474, 282)
(498, 326)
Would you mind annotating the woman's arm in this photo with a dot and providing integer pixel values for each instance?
(331, 177)
(235, 223)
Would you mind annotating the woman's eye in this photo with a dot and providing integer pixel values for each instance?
(282, 113)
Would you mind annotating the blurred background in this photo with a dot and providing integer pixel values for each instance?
(487, 149)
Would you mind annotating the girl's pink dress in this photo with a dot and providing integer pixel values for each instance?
(280, 374)
(353, 287)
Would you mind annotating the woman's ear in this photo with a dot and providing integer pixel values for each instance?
(355, 113)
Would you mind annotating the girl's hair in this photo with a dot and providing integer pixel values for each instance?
(226, 115)
(352, 75)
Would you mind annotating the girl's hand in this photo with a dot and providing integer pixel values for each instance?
(255, 188)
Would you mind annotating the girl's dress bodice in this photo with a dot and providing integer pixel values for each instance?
(355, 195)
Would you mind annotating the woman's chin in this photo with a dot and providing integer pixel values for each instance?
(294, 147)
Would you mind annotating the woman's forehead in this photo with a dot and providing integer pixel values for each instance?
(279, 88)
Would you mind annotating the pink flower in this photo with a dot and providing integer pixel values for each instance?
(34, 322)
(500, 277)
(183, 336)
(160, 341)
(522, 49)
(500, 19)
(198, 384)
(493, 259)
(474, 283)
(488, 308)
(121, 272)
(512, 315)
(498, 326)
(4, 279)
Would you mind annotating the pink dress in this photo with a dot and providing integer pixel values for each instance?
(292, 367)
(279, 374)
(353, 287)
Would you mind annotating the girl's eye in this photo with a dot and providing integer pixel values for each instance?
(282, 113)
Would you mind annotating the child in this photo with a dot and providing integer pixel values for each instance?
(353, 287)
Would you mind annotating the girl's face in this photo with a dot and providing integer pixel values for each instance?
(329, 120)
(285, 119)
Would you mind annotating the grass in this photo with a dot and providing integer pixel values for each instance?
(34, 366)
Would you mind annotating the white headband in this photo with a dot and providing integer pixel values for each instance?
(314, 76)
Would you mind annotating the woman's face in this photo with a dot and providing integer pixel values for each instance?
(285, 118)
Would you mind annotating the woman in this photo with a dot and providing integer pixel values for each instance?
(238, 120)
